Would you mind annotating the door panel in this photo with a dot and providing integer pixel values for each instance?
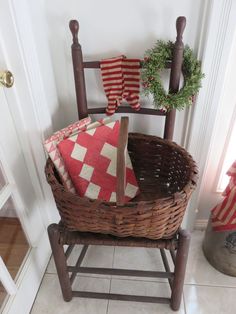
(13, 248)
(18, 175)
(21, 225)
(24, 248)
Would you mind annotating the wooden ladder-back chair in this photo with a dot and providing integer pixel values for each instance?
(177, 244)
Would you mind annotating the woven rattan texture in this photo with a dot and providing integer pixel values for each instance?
(89, 238)
(166, 174)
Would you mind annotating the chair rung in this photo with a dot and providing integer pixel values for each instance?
(120, 272)
(173, 255)
(120, 297)
(166, 264)
(69, 250)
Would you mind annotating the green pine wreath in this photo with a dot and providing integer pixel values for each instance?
(155, 61)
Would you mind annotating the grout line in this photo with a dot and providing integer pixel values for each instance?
(116, 278)
(209, 286)
(112, 265)
(51, 258)
(183, 298)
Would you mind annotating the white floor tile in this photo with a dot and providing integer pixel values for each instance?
(209, 300)
(140, 288)
(49, 299)
(99, 256)
(199, 271)
(139, 259)
(96, 256)
(51, 269)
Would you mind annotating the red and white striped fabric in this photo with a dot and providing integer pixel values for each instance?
(224, 214)
(131, 80)
(112, 77)
(121, 80)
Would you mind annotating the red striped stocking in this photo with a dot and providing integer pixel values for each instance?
(131, 79)
(121, 79)
(112, 78)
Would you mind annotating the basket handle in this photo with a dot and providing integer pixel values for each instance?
(120, 163)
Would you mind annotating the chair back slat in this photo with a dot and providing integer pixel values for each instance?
(125, 109)
(79, 65)
(96, 64)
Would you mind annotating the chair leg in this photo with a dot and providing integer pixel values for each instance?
(60, 261)
(180, 267)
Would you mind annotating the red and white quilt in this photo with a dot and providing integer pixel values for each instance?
(90, 158)
(51, 143)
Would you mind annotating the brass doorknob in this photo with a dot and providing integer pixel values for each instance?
(6, 79)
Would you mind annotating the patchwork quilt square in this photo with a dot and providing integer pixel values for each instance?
(51, 148)
(90, 158)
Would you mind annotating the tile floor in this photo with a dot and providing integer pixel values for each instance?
(206, 290)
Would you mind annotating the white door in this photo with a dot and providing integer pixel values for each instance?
(25, 198)
(23, 233)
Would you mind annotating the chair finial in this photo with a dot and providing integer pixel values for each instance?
(180, 26)
(74, 28)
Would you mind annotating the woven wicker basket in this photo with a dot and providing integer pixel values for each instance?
(166, 175)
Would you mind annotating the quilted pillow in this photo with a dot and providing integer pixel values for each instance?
(51, 143)
(90, 158)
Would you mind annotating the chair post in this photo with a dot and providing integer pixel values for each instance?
(120, 161)
(176, 66)
(180, 267)
(77, 59)
(60, 261)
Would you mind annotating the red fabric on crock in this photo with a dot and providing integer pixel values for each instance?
(224, 214)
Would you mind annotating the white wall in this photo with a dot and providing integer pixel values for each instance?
(221, 134)
(216, 102)
(109, 28)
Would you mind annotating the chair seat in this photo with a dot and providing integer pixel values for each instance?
(88, 238)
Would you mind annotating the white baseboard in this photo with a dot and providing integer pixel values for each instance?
(200, 224)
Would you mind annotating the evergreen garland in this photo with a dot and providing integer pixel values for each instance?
(155, 60)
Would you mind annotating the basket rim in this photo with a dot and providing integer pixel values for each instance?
(187, 188)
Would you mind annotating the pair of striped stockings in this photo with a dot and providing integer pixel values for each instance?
(121, 80)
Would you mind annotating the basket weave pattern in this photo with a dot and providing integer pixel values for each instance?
(166, 175)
